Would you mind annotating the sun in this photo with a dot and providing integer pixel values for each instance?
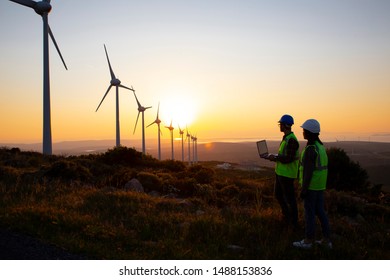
(180, 109)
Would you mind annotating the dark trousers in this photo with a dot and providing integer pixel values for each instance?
(285, 195)
(314, 206)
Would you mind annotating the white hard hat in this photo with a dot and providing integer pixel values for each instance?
(311, 125)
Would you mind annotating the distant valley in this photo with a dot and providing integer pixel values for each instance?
(372, 156)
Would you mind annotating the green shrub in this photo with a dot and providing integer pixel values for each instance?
(9, 174)
(118, 177)
(344, 203)
(122, 156)
(68, 170)
(185, 186)
(173, 165)
(15, 158)
(203, 175)
(344, 174)
(166, 178)
(230, 191)
(150, 181)
(247, 195)
(206, 192)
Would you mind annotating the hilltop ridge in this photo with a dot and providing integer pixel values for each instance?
(372, 156)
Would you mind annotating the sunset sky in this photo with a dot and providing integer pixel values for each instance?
(226, 69)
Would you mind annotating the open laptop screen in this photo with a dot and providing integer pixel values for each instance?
(262, 148)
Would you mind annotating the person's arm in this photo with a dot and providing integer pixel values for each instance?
(309, 163)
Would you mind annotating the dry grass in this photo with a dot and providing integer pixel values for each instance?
(201, 212)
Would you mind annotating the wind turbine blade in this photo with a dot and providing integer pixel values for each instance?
(104, 97)
(148, 107)
(109, 65)
(55, 44)
(139, 104)
(122, 86)
(135, 127)
(27, 3)
(158, 109)
(151, 124)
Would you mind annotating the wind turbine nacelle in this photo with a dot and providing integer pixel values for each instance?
(42, 7)
(115, 82)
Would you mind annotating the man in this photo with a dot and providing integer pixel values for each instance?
(286, 170)
(313, 173)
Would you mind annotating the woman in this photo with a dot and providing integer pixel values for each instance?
(313, 173)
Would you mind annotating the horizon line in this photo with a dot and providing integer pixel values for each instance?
(211, 140)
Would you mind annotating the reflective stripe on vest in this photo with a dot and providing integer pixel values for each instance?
(320, 174)
(289, 170)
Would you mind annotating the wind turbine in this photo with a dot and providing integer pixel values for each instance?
(194, 149)
(171, 128)
(189, 146)
(43, 9)
(141, 109)
(116, 83)
(182, 143)
(158, 121)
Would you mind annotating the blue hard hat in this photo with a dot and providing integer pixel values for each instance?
(286, 119)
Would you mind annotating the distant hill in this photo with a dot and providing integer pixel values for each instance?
(372, 156)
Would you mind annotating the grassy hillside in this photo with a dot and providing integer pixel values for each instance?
(198, 212)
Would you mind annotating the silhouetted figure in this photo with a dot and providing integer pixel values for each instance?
(286, 170)
(313, 173)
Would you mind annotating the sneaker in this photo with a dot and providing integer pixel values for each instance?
(302, 244)
(325, 243)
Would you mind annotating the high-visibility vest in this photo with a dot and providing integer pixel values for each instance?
(289, 170)
(320, 174)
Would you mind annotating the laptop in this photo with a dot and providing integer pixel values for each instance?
(262, 149)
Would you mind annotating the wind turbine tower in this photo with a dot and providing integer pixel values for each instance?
(182, 143)
(115, 82)
(171, 128)
(43, 9)
(194, 149)
(189, 147)
(158, 121)
(142, 110)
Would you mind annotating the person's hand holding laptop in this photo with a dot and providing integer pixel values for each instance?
(262, 149)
